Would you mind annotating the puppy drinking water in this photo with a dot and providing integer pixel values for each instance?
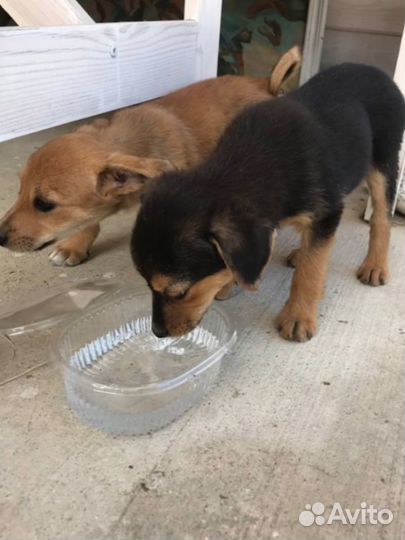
(286, 161)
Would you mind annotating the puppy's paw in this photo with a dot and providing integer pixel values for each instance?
(373, 274)
(292, 258)
(63, 256)
(296, 325)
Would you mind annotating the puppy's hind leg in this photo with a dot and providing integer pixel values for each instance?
(75, 249)
(374, 269)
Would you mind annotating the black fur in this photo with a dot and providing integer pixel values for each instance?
(278, 159)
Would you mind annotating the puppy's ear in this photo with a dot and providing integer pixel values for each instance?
(124, 174)
(244, 245)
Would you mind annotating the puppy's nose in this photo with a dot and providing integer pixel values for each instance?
(3, 239)
(159, 330)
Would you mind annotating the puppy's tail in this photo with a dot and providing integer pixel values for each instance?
(286, 69)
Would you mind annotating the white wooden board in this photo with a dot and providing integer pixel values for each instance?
(381, 16)
(399, 78)
(46, 12)
(51, 76)
(375, 49)
(314, 36)
(208, 15)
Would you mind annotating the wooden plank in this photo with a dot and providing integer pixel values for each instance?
(46, 12)
(375, 49)
(208, 15)
(314, 36)
(399, 78)
(380, 16)
(399, 75)
(51, 76)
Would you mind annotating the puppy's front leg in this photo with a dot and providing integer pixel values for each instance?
(298, 319)
(75, 249)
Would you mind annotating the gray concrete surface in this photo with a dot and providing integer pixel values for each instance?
(286, 425)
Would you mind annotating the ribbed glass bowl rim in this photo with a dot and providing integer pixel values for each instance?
(151, 388)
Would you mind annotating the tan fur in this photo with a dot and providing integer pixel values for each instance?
(226, 292)
(374, 270)
(167, 285)
(301, 222)
(298, 319)
(160, 282)
(183, 315)
(70, 252)
(206, 108)
(126, 165)
(77, 170)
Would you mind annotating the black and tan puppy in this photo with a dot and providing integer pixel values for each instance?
(289, 161)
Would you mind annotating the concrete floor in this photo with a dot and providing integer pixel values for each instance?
(286, 425)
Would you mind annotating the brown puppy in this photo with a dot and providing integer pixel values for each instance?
(69, 185)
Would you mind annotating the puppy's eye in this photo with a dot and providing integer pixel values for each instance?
(42, 205)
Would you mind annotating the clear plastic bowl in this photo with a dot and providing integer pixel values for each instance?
(120, 378)
(49, 307)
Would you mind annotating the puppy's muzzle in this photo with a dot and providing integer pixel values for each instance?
(159, 330)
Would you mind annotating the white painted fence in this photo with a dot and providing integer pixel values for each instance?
(54, 75)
